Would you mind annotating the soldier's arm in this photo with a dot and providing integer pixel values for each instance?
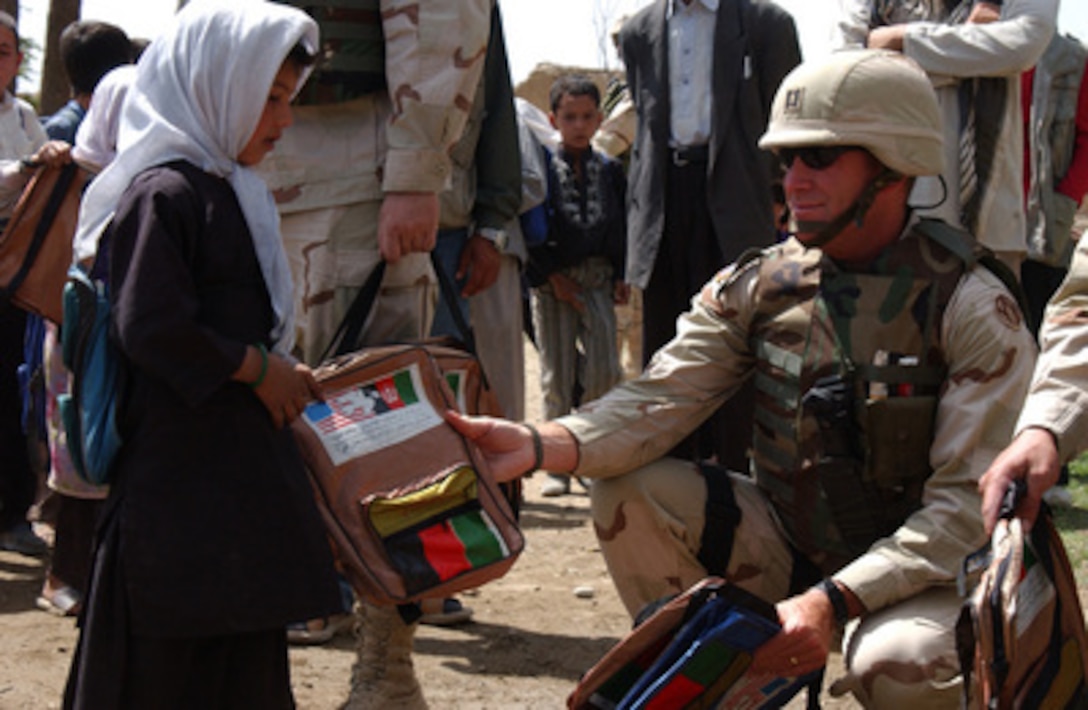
(990, 356)
(687, 380)
(434, 55)
(1054, 419)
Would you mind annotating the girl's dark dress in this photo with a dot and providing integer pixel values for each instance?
(211, 529)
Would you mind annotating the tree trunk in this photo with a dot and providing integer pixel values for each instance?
(55, 87)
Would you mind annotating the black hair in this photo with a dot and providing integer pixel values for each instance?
(301, 56)
(90, 49)
(573, 85)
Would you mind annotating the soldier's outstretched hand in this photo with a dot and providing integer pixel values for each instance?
(1032, 456)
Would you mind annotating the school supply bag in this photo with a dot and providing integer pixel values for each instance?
(88, 410)
(36, 245)
(409, 503)
(693, 651)
(1020, 636)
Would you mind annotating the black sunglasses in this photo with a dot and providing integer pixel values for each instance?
(817, 157)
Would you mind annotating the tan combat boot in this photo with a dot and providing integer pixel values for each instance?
(383, 676)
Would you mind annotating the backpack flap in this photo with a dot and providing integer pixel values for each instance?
(409, 502)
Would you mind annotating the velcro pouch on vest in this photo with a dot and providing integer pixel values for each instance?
(899, 432)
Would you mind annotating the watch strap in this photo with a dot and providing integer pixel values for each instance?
(837, 599)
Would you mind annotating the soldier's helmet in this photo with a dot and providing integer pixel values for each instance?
(874, 99)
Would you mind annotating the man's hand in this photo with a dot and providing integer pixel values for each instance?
(567, 290)
(983, 13)
(890, 37)
(508, 446)
(55, 154)
(621, 293)
(480, 261)
(803, 643)
(407, 223)
(1033, 455)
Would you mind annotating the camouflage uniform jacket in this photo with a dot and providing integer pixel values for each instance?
(986, 350)
(433, 57)
(1058, 398)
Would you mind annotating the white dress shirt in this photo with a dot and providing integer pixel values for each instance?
(691, 51)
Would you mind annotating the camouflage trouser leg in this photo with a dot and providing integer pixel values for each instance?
(332, 252)
(904, 656)
(650, 524)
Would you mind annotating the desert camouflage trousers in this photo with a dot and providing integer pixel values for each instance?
(650, 526)
(326, 176)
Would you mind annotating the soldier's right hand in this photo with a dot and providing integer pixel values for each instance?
(407, 223)
(1032, 456)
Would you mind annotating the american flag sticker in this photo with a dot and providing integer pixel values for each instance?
(366, 417)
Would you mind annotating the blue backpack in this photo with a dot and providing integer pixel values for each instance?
(88, 412)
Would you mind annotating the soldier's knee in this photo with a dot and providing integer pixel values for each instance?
(902, 661)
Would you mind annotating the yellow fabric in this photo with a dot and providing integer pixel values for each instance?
(392, 515)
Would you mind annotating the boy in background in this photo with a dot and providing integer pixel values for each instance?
(578, 273)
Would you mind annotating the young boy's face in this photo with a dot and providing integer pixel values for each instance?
(10, 57)
(577, 119)
(275, 117)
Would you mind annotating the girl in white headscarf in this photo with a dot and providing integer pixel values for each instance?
(210, 543)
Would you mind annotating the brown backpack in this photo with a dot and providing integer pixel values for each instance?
(409, 503)
(36, 246)
(1021, 637)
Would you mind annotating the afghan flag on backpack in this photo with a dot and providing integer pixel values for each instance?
(437, 533)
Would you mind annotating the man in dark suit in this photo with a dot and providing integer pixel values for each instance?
(702, 74)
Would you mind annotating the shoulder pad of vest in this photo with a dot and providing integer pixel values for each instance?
(749, 259)
(963, 245)
(957, 241)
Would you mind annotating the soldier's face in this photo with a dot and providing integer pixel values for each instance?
(818, 195)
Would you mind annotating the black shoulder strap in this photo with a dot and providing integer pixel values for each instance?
(346, 337)
(963, 245)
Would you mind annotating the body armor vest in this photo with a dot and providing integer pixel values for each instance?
(351, 61)
(849, 367)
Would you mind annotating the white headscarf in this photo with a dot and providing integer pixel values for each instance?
(96, 137)
(199, 93)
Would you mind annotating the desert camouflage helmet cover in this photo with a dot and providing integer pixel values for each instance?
(875, 99)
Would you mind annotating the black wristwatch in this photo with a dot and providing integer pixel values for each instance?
(837, 599)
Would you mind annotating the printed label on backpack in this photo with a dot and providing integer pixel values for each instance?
(373, 415)
(1034, 593)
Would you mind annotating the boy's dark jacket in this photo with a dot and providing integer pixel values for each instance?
(568, 243)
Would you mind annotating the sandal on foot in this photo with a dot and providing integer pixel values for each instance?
(317, 631)
(444, 612)
(62, 601)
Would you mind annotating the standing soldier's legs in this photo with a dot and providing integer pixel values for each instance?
(650, 525)
(904, 656)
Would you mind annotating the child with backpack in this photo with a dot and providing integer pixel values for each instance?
(210, 543)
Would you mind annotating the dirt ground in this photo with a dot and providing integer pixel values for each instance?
(529, 642)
